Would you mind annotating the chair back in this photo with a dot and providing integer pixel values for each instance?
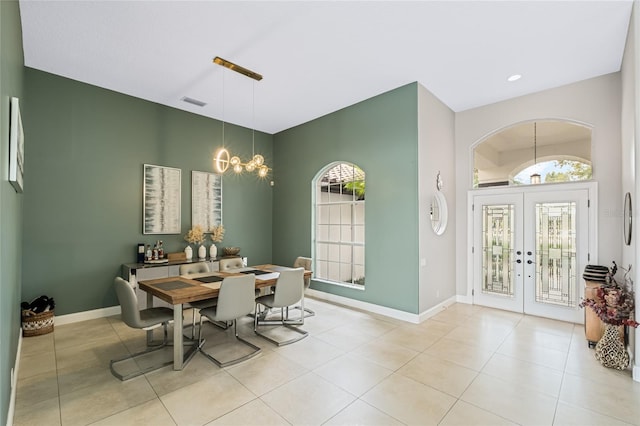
(236, 297)
(304, 262)
(230, 263)
(194, 268)
(289, 288)
(128, 303)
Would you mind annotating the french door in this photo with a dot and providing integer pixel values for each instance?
(530, 248)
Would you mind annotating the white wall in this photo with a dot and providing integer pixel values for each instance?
(630, 159)
(596, 102)
(436, 150)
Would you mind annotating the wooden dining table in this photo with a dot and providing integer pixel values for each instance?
(191, 288)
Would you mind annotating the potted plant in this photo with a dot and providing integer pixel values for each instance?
(614, 304)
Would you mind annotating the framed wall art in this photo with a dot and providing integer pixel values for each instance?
(206, 199)
(161, 200)
(16, 146)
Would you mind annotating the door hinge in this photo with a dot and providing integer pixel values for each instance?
(588, 257)
(588, 203)
(473, 249)
(473, 292)
(473, 207)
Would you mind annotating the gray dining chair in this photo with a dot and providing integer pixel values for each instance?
(304, 262)
(289, 291)
(227, 264)
(235, 300)
(198, 268)
(146, 319)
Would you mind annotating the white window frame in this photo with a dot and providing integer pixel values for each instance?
(320, 273)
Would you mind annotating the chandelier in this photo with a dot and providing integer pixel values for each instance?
(535, 177)
(223, 158)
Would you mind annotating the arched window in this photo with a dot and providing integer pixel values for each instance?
(338, 229)
(533, 152)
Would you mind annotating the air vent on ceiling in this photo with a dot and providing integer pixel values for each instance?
(193, 101)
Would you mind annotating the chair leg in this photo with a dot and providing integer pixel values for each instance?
(283, 323)
(222, 364)
(123, 377)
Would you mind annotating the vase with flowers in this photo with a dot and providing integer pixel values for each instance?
(195, 236)
(217, 235)
(614, 304)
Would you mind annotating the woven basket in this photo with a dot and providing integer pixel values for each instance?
(36, 324)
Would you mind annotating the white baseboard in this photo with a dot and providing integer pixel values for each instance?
(381, 310)
(461, 298)
(436, 309)
(87, 315)
(636, 373)
(14, 382)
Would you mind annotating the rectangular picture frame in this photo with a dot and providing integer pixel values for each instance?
(206, 199)
(16, 146)
(161, 200)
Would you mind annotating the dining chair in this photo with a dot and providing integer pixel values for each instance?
(228, 263)
(146, 319)
(289, 291)
(235, 300)
(304, 262)
(198, 268)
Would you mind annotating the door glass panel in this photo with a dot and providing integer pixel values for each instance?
(497, 249)
(556, 253)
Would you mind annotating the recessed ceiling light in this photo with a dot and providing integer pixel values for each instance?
(514, 77)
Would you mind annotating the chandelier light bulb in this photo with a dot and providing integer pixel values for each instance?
(258, 159)
(237, 168)
(262, 171)
(235, 160)
(250, 166)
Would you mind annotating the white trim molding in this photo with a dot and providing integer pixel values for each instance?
(381, 310)
(14, 382)
(87, 315)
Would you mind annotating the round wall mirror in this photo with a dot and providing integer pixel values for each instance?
(439, 213)
(628, 215)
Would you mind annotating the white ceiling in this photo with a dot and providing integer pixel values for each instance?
(318, 57)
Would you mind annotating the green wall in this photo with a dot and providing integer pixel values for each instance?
(11, 204)
(380, 135)
(83, 209)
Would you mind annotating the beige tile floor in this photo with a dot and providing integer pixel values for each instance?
(467, 365)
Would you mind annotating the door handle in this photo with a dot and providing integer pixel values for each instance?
(519, 261)
(529, 253)
(529, 261)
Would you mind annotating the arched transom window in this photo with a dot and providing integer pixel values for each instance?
(339, 224)
(534, 152)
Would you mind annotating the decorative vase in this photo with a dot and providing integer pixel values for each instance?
(202, 252)
(188, 251)
(610, 351)
(213, 251)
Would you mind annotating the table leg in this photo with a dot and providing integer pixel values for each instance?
(149, 332)
(178, 349)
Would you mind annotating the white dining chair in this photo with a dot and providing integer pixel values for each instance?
(289, 291)
(145, 319)
(235, 300)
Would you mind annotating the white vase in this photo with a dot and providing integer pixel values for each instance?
(213, 251)
(202, 252)
(188, 251)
